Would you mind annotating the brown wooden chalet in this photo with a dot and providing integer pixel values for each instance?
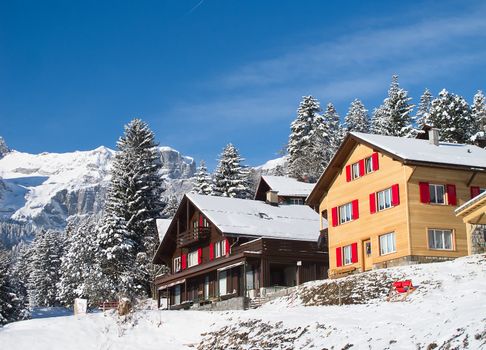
(220, 248)
(282, 190)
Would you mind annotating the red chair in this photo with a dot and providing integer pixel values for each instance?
(400, 287)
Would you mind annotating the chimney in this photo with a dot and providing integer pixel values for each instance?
(434, 136)
(272, 197)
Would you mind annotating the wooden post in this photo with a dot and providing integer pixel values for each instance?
(244, 279)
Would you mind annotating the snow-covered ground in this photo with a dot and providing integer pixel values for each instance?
(448, 311)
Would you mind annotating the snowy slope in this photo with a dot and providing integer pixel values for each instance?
(268, 168)
(448, 311)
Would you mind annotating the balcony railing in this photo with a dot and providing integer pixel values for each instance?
(193, 236)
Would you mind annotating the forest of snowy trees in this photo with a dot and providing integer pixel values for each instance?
(107, 255)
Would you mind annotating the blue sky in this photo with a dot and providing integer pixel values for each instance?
(205, 73)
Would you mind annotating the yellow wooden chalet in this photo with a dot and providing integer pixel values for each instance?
(391, 200)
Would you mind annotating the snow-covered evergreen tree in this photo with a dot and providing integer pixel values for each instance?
(80, 269)
(335, 131)
(305, 146)
(172, 203)
(231, 177)
(478, 111)
(19, 277)
(45, 264)
(134, 201)
(451, 114)
(423, 109)
(202, 180)
(357, 118)
(393, 117)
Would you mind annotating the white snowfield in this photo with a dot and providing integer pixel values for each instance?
(287, 186)
(448, 311)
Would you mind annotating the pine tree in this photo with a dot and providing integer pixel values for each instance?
(45, 264)
(172, 204)
(335, 131)
(451, 114)
(357, 118)
(134, 201)
(478, 111)
(19, 277)
(305, 146)
(231, 177)
(80, 269)
(393, 117)
(202, 181)
(423, 109)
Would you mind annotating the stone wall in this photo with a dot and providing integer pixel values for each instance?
(237, 303)
(478, 239)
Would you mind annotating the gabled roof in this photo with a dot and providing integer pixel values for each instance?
(406, 150)
(287, 186)
(247, 217)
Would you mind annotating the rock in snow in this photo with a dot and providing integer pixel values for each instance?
(446, 312)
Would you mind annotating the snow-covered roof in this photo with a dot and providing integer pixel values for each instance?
(471, 202)
(424, 151)
(287, 186)
(256, 218)
(162, 227)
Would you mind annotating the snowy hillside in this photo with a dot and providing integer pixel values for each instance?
(272, 166)
(45, 189)
(447, 311)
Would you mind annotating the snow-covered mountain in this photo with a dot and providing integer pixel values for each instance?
(273, 166)
(45, 189)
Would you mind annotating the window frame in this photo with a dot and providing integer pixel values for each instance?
(355, 172)
(192, 259)
(347, 249)
(444, 194)
(385, 207)
(340, 216)
(219, 249)
(296, 201)
(177, 264)
(387, 251)
(370, 163)
(442, 230)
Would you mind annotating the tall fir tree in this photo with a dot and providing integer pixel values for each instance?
(306, 139)
(231, 177)
(451, 114)
(394, 116)
(357, 118)
(330, 135)
(171, 206)
(423, 109)
(202, 180)
(478, 111)
(44, 270)
(134, 202)
(19, 277)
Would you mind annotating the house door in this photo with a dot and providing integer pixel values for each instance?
(222, 283)
(206, 287)
(368, 265)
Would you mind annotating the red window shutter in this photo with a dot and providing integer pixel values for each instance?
(348, 173)
(334, 217)
(354, 253)
(395, 195)
(475, 191)
(339, 257)
(376, 164)
(200, 220)
(361, 167)
(211, 251)
(372, 203)
(227, 247)
(451, 194)
(424, 192)
(355, 209)
(184, 261)
(199, 256)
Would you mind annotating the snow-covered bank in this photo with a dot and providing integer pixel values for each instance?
(448, 311)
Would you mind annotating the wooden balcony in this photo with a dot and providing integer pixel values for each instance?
(193, 236)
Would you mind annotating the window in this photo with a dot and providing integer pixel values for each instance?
(347, 255)
(296, 201)
(177, 264)
(440, 239)
(385, 199)
(355, 170)
(177, 294)
(387, 243)
(222, 283)
(437, 194)
(192, 259)
(345, 213)
(220, 249)
(369, 165)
